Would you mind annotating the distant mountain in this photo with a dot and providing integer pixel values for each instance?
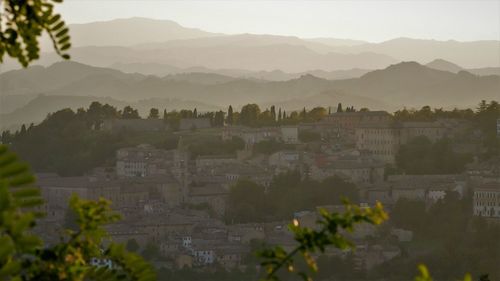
(274, 75)
(286, 57)
(239, 40)
(337, 42)
(412, 84)
(165, 42)
(485, 71)
(9, 103)
(474, 54)
(39, 79)
(150, 68)
(404, 84)
(200, 78)
(128, 32)
(212, 88)
(444, 65)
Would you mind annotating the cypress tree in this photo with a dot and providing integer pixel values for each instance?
(230, 115)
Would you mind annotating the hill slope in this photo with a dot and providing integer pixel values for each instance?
(444, 65)
(405, 84)
(128, 32)
(474, 54)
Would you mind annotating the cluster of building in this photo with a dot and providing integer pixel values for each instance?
(179, 202)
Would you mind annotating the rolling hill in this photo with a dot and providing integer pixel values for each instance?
(404, 84)
(444, 65)
(128, 32)
(473, 54)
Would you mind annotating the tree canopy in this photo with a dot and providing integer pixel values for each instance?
(420, 156)
(287, 193)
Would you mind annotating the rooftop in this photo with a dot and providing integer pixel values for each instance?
(491, 186)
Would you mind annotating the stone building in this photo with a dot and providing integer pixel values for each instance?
(486, 200)
(213, 195)
(383, 139)
(251, 136)
(429, 188)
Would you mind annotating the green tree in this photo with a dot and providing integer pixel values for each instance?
(219, 119)
(339, 107)
(23, 23)
(70, 220)
(130, 113)
(421, 156)
(246, 202)
(249, 115)
(409, 214)
(151, 251)
(132, 245)
(154, 113)
(230, 115)
(317, 113)
(303, 114)
(316, 241)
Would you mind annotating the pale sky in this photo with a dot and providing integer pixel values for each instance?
(373, 21)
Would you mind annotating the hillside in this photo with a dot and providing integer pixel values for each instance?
(164, 42)
(408, 83)
(158, 69)
(286, 57)
(128, 32)
(444, 65)
(38, 79)
(413, 85)
(474, 54)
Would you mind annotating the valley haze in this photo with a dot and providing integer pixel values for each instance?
(167, 61)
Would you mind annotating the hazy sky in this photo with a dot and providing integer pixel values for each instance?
(367, 20)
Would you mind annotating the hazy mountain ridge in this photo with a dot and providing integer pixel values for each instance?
(407, 83)
(273, 75)
(474, 54)
(412, 84)
(288, 58)
(118, 32)
(444, 65)
(166, 42)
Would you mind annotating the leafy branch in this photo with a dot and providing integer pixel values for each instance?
(23, 22)
(23, 255)
(313, 241)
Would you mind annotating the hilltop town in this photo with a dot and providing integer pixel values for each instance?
(205, 190)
